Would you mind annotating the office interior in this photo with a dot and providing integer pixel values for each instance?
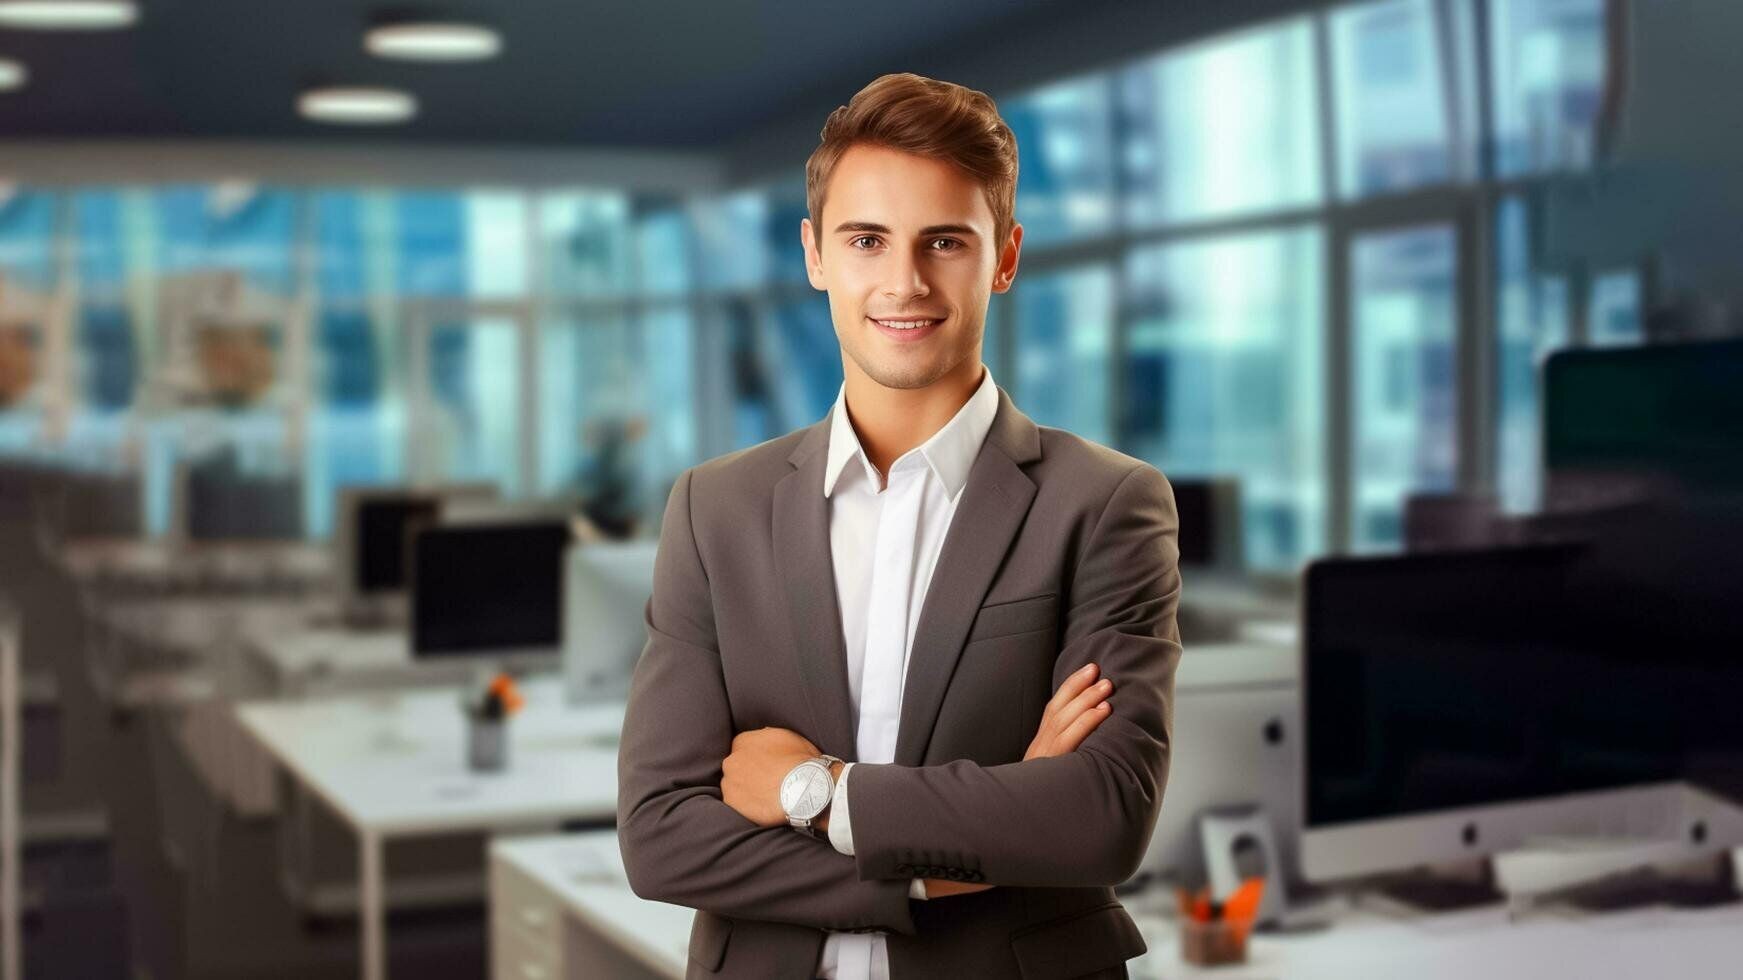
(315, 427)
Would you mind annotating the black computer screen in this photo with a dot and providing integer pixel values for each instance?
(1439, 681)
(1196, 511)
(484, 588)
(384, 542)
(1668, 413)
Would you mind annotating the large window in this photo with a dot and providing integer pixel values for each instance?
(356, 432)
(1064, 332)
(615, 419)
(1066, 169)
(1231, 246)
(1393, 130)
(1548, 77)
(585, 244)
(1531, 323)
(27, 313)
(1402, 289)
(1223, 377)
(1222, 128)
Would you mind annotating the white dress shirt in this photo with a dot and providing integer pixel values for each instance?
(884, 541)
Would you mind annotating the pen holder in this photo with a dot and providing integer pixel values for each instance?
(1215, 941)
(486, 743)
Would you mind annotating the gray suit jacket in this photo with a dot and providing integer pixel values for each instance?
(1061, 552)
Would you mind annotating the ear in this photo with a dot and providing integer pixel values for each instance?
(1006, 273)
(813, 256)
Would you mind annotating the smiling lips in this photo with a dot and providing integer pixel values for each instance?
(905, 322)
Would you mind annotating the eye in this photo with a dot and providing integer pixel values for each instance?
(953, 244)
(854, 243)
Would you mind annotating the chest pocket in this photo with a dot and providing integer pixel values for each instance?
(1029, 615)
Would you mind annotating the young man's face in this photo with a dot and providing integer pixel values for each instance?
(909, 261)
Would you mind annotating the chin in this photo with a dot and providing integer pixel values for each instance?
(892, 373)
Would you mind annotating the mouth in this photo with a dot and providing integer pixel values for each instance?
(907, 329)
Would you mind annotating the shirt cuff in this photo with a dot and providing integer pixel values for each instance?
(917, 889)
(840, 827)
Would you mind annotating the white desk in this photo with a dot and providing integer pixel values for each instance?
(395, 765)
(308, 661)
(160, 563)
(317, 660)
(561, 906)
(194, 624)
(1368, 945)
(579, 877)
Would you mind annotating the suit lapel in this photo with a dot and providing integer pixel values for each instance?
(994, 502)
(802, 552)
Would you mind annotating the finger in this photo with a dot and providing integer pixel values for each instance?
(1091, 696)
(1072, 687)
(1085, 700)
(1080, 727)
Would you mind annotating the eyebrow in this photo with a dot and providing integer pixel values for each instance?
(929, 230)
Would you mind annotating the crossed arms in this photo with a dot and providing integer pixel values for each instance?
(1074, 819)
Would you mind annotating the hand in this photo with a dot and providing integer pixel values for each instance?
(1076, 709)
(750, 778)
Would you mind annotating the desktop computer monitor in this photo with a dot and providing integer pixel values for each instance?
(103, 505)
(379, 559)
(1658, 420)
(1462, 704)
(373, 548)
(607, 589)
(489, 590)
(373, 544)
(220, 501)
(1210, 523)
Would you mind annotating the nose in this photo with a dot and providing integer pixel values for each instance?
(905, 280)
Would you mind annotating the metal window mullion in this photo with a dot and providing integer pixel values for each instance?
(1119, 336)
(1471, 291)
(1446, 46)
(420, 404)
(1338, 456)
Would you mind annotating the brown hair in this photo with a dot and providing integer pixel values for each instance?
(929, 118)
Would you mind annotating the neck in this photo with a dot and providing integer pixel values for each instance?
(891, 421)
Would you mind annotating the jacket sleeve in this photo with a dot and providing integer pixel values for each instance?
(681, 842)
(1083, 818)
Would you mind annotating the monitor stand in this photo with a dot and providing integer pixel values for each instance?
(1603, 874)
(1680, 857)
(1440, 888)
(373, 614)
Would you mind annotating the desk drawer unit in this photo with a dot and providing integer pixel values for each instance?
(526, 927)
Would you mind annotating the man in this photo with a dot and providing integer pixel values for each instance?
(856, 627)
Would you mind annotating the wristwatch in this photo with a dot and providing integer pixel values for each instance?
(806, 790)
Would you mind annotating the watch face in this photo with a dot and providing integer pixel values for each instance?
(805, 792)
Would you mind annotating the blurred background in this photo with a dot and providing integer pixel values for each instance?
(317, 319)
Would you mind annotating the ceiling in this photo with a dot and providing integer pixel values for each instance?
(666, 73)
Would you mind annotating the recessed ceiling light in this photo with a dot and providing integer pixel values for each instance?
(68, 15)
(357, 106)
(433, 41)
(13, 75)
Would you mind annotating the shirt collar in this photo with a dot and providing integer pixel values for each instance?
(950, 452)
